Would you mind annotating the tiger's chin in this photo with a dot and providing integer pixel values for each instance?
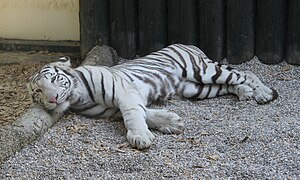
(50, 106)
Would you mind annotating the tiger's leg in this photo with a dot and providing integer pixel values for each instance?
(260, 93)
(222, 75)
(196, 91)
(164, 121)
(134, 116)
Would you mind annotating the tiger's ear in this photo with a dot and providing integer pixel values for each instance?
(63, 62)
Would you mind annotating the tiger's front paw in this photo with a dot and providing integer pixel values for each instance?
(140, 139)
(171, 124)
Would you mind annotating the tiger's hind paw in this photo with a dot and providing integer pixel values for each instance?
(264, 96)
(244, 92)
(261, 93)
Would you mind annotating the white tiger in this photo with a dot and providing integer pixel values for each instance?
(127, 89)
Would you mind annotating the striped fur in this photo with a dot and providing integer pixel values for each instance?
(127, 89)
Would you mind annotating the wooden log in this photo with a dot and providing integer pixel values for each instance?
(240, 30)
(123, 27)
(293, 33)
(212, 28)
(270, 30)
(94, 24)
(152, 25)
(26, 129)
(182, 22)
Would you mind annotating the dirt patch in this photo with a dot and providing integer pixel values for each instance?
(14, 98)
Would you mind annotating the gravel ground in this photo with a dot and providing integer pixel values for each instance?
(223, 139)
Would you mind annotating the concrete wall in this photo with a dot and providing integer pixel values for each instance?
(39, 19)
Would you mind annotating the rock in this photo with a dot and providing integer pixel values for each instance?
(101, 56)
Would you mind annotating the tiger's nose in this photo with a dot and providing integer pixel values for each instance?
(53, 99)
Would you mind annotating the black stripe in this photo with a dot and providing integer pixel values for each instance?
(228, 78)
(159, 60)
(188, 49)
(245, 78)
(91, 75)
(85, 82)
(171, 79)
(149, 81)
(217, 75)
(149, 61)
(150, 73)
(122, 78)
(44, 70)
(138, 77)
(204, 65)
(196, 69)
(229, 68)
(113, 90)
(153, 70)
(179, 55)
(238, 76)
(56, 69)
(142, 107)
(209, 90)
(163, 92)
(103, 88)
(127, 76)
(149, 68)
(155, 54)
(122, 83)
(184, 73)
(219, 90)
(200, 89)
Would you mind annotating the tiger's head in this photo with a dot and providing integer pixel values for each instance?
(53, 84)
